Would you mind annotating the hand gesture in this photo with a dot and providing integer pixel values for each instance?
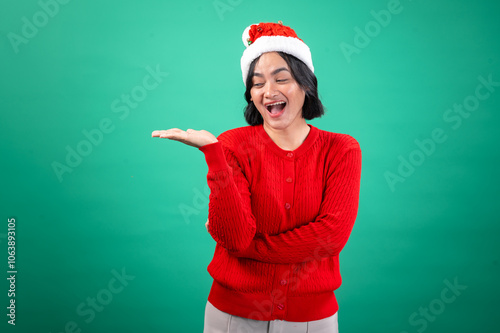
(190, 137)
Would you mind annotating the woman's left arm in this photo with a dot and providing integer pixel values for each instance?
(329, 232)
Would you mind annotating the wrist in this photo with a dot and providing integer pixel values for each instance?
(214, 155)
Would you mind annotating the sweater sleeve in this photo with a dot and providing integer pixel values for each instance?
(328, 233)
(232, 223)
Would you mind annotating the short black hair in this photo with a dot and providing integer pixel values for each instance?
(312, 108)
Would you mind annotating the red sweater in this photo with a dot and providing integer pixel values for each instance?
(280, 219)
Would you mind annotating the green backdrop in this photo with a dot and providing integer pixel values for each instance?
(109, 222)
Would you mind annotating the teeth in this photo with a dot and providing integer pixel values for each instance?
(277, 103)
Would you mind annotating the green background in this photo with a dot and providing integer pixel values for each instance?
(120, 207)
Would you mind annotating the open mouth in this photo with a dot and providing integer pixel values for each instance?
(276, 108)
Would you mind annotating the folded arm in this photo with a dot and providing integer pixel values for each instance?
(328, 233)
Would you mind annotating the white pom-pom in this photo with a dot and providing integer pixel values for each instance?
(246, 35)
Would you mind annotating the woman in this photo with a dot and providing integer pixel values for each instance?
(284, 196)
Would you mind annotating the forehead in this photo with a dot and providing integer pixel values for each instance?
(268, 62)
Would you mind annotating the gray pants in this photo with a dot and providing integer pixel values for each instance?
(217, 321)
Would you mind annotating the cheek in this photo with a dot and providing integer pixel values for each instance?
(257, 100)
(298, 95)
(253, 94)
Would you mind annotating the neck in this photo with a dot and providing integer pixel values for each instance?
(289, 138)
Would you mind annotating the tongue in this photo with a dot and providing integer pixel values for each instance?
(275, 109)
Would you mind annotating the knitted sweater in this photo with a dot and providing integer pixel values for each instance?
(280, 219)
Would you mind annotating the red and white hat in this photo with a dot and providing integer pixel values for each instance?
(268, 37)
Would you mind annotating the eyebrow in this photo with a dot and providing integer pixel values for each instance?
(276, 71)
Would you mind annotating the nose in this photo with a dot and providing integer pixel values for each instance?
(270, 90)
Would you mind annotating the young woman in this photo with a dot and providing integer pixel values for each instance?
(284, 196)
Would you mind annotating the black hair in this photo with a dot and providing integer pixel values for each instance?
(312, 108)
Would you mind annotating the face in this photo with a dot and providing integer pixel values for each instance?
(276, 94)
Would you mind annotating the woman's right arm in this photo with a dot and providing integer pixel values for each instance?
(232, 223)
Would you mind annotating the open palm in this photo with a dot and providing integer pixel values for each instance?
(190, 137)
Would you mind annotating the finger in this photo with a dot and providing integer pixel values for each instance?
(158, 133)
(155, 134)
(174, 134)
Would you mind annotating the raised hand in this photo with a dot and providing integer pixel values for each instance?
(190, 137)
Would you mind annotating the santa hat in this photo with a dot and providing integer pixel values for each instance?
(268, 37)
